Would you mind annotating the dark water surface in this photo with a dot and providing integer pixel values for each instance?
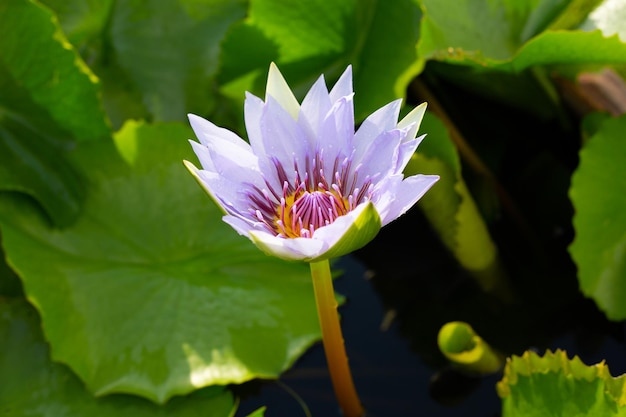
(390, 378)
(400, 290)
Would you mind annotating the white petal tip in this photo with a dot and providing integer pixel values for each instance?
(415, 117)
(278, 88)
(191, 168)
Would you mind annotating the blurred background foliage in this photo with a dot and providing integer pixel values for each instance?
(120, 287)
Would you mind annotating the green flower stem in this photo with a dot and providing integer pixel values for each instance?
(333, 340)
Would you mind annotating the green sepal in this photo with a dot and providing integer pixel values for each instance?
(362, 231)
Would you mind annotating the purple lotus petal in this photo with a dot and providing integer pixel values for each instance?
(307, 186)
(254, 108)
(378, 122)
(405, 151)
(330, 149)
(292, 249)
(225, 193)
(385, 118)
(381, 157)
(283, 140)
(342, 115)
(343, 86)
(241, 224)
(253, 111)
(207, 133)
(204, 156)
(315, 107)
(405, 194)
(341, 95)
(230, 162)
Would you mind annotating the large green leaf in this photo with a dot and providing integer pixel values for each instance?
(482, 30)
(598, 193)
(308, 38)
(554, 385)
(10, 284)
(30, 384)
(83, 21)
(569, 47)
(49, 102)
(39, 58)
(34, 154)
(156, 58)
(167, 50)
(510, 35)
(149, 292)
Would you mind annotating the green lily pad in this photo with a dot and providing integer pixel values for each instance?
(479, 30)
(38, 56)
(167, 50)
(554, 385)
(149, 292)
(82, 20)
(49, 102)
(312, 37)
(30, 384)
(598, 193)
(10, 284)
(569, 47)
(511, 35)
(157, 59)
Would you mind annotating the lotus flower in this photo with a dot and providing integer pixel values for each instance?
(307, 187)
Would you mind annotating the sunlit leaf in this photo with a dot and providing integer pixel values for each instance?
(511, 35)
(554, 385)
(482, 31)
(149, 292)
(312, 37)
(569, 47)
(30, 384)
(598, 193)
(609, 17)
